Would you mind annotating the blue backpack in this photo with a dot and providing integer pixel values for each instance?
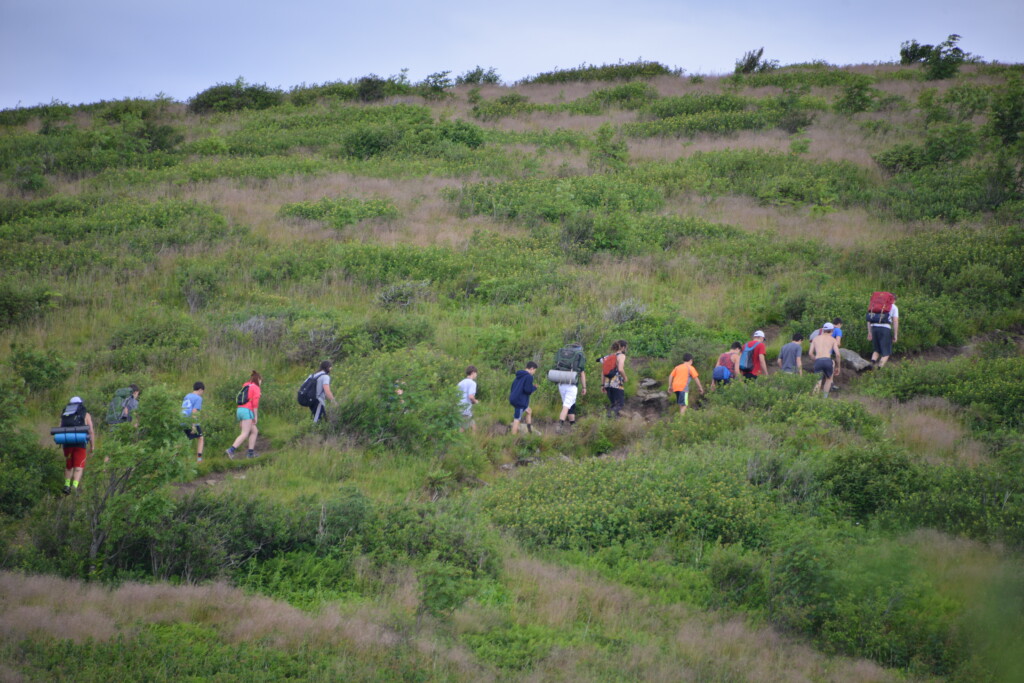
(721, 373)
(747, 356)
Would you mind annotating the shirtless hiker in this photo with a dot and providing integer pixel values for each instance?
(822, 348)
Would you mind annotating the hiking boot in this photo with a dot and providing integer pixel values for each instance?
(252, 455)
(230, 453)
(199, 458)
(66, 490)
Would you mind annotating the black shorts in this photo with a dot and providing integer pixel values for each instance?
(881, 340)
(193, 432)
(747, 374)
(824, 366)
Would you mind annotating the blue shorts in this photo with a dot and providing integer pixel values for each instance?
(683, 398)
(721, 374)
(518, 412)
(244, 414)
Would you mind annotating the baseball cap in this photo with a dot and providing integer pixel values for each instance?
(759, 333)
(828, 326)
(75, 399)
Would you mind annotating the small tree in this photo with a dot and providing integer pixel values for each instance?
(944, 60)
(751, 62)
(478, 76)
(608, 153)
(912, 52)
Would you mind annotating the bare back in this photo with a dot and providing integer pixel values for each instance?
(823, 345)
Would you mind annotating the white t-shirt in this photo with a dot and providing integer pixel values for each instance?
(894, 313)
(322, 381)
(468, 388)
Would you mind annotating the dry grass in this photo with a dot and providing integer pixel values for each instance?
(679, 644)
(543, 121)
(34, 606)
(931, 429)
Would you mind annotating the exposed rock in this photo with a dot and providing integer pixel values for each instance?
(649, 383)
(853, 360)
(650, 397)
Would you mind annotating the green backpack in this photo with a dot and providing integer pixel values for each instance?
(569, 358)
(116, 405)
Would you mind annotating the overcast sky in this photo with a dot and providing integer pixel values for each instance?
(78, 52)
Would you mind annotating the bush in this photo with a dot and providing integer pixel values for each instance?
(605, 72)
(599, 503)
(20, 302)
(479, 76)
(28, 472)
(40, 370)
(234, 97)
(341, 212)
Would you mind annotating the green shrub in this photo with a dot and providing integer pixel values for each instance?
(20, 302)
(40, 370)
(751, 62)
(992, 390)
(598, 503)
(606, 72)
(694, 103)
(479, 76)
(234, 97)
(856, 97)
(28, 472)
(867, 480)
(341, 212)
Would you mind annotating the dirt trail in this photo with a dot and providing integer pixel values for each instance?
(214, 478)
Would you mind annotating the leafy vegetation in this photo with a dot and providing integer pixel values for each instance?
(398, 540)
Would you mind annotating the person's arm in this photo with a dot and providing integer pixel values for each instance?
(670, 376)
(328, 394)
(472, 399)
(764, 364)
(895, 329)
(583, 382)
(92, 433)
(779, 362)
(869, 331)
(621, 364)
(800, 361)
(699, 385)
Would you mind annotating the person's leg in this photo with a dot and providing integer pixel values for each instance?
(568, 393)
(253, 433)
(620, 401)
(885, 347)
(875, 344)
(529, 420)
(199, 446)
(572, 415)
(245, 425)
(76, 476)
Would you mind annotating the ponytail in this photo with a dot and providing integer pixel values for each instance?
(256, 378)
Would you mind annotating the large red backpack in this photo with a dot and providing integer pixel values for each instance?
(880, 307)
(610, 365)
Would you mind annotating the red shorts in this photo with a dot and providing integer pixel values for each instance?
(74, 456)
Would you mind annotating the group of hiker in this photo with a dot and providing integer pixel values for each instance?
(77, 432)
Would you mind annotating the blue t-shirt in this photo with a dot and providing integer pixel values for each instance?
(191, 403)
(837, 333)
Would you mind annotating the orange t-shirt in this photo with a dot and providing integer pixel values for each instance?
(680, 377)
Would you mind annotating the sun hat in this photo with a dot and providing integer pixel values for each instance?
(75, 399)
(828, 326)
(759, 333)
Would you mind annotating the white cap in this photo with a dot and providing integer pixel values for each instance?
(75, 399)
(759, 333)
(828, 326)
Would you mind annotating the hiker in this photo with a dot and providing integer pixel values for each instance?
(468, 388)
(247, 415)
(613, 377)
(837, 331)
(883, 327)
(130, 404)
(752, 357)
(75, 415)
(727, 367)
(519, 397)
(191, 405)
(823, 348)
(789, 355)
(679, 382)
(569, 362)
(320, 386)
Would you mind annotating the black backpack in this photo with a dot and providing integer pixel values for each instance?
(73, 415)
(307, 392)
(243, 396)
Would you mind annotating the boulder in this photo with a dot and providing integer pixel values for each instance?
(649, 383)
(852, 359)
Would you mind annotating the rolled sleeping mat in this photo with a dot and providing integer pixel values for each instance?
(70, 436)
(562, 376)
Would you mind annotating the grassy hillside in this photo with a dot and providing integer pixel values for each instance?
(405, 231)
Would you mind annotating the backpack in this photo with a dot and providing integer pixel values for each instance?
(243, 396)
(116, 406)
(569, 358)
(610, 365)
(307, 392)
(73, 415)
(880, 307)
(747, 356)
